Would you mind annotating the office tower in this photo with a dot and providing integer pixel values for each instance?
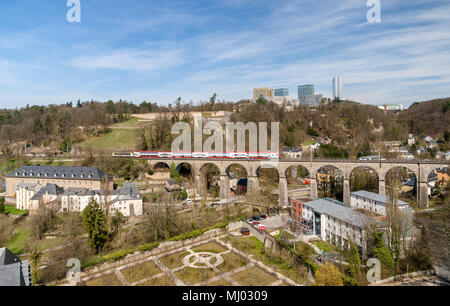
(281, 92)
(262, 92)
(305, 90)
(337, 87)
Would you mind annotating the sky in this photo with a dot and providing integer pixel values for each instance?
(156, 51)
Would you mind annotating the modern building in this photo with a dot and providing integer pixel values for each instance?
(374, 202)
(310, 101)
(13, 271)
(64, 177)
(305, 90)
(281, 92)
(264, 92)
(337, 87)
(332, 221)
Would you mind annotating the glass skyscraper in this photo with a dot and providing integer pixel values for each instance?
(305, 90)
(281, 92)
(337, 87)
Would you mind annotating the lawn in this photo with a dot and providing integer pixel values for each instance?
(11, 209)
(191, 276)
(118, 139)
(211, 247)
(325, 246)
(17, 244)
(251, 245)
(175, 260)
(231, 262)
(132, 122)
(108, 280)
(138, 272)
(254, 276)
(159, 281)
(220, 282)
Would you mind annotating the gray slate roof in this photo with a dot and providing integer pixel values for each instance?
(13, 272)
(80, 173)
(380, 198)
(341, 212)
(29, 186)
(51, 189)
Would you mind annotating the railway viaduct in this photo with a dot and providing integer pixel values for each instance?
(421, 169)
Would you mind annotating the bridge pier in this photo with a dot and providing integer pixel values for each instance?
(199, 184)
(346, 191)
(224, 187)
(313, 188)
(252, 185)
(423, 194)
(381, 187)
(283, 192)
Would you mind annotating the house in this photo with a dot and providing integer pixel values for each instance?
(48, 195)
(443, 176)
(172, 185)
(374, 202)
(292, 153)
(429, 139)
(442, 155)
(13, 271)
(241, 186)
(127, 199)
(411, 140)
(86, 177)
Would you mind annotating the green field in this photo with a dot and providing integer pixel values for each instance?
(118, 139)
(325, 246)
(12, 210)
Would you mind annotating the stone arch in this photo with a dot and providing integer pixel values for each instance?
(407, 180)
(330, 182)
(297, 176)
(185, 169)
(160, 165)
(364, 177)
(238, 176)
(208, 179)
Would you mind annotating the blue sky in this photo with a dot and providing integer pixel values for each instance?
(159, 50)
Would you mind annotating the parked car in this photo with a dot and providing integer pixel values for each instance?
(244, 231)
(256, 223)
(263, 217)
(256, 218)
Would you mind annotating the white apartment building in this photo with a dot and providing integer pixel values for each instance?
(374, 202)
(336, 223)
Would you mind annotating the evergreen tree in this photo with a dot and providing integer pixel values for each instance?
(94, 222)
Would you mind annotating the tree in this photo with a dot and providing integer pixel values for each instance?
(35, 263)
(2, 205)
(328, 275)
(94, 222)
(446, 136)
(212, 100)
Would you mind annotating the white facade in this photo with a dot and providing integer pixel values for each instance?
(128, 203)
(373, 202)
(24, 193)
(338, 224)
